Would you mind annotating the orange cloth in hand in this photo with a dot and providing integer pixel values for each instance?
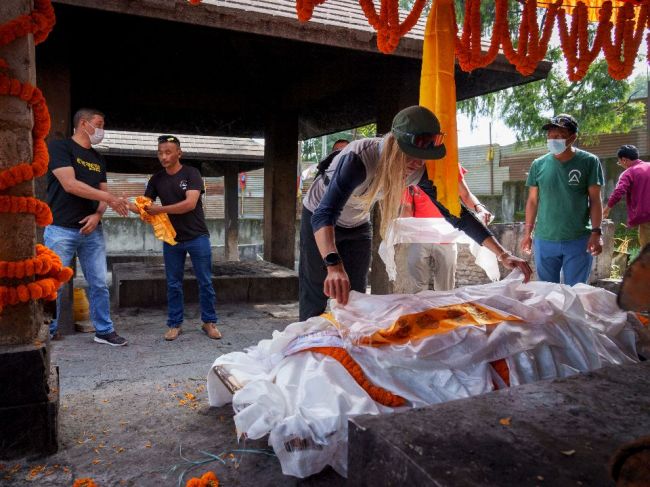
(162, 227)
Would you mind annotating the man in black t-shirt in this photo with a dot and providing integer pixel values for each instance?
(77, 193)
(179, 188)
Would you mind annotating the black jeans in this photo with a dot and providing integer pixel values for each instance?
(354, 246)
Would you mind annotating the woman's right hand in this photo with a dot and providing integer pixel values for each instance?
(337, 284)
(526, 244)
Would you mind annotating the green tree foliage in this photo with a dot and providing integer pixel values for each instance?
(600, 104)
(312, 149)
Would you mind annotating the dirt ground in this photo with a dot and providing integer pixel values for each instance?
(139, 415)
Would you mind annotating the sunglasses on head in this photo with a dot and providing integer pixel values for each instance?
(425, 140)
(168, 138)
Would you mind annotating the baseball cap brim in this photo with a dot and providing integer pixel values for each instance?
(425, 154)
(551, 125)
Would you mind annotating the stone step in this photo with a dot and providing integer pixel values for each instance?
(561, 432)
(143, 285)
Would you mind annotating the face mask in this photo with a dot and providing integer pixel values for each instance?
(556, 146)
(97, 136)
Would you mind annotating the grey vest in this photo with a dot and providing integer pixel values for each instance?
(354, 213)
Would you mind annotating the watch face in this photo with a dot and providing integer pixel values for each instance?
(332, 259)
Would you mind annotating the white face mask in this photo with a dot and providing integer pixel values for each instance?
(556, 146)
(97, 136)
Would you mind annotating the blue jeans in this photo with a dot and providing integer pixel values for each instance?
(91, 251)
(201, 256)
(570, 256)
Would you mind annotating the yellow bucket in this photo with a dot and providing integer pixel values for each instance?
(80, 305)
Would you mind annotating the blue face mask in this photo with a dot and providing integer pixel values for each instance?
(556, 146)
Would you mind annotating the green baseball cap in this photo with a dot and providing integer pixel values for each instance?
(417, 131)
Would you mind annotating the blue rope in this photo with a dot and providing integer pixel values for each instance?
(212, 458)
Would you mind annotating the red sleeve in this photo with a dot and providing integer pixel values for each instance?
(407, 198)
(461, 172)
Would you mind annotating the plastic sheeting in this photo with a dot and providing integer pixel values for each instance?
(303, 400)
(432, 230)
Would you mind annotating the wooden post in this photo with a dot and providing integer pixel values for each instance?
(231, 214)
(53, 76)
(280, 179)
(29, 399)
(393, 98)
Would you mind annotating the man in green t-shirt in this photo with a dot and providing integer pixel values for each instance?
(563, 196)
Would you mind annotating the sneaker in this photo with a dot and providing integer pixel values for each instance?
(211, 330)
(112, 339)
(172, 333)
(56, 336)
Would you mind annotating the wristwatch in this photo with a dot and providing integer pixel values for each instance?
(331, 259)
(597, 230)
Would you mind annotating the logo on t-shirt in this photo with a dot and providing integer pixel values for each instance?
(92, 166)
(183, 184)
(574, 177)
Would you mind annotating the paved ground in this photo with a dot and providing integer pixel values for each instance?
(127, 413)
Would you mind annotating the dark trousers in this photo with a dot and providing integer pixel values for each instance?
(354, 246)
(201, 256)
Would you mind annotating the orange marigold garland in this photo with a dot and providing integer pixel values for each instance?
(84, 482)
(305, 8)
(628, 34)
(532, 44)
(46, 265)
(378, 394)
(208, 479)
(468, 46)
(387, 24)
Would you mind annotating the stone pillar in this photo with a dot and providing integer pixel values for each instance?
(231, 214)
(280, 177)
(29, 398)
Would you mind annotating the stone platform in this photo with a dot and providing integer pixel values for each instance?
(29, 401)
(561, 432)
(144, 285)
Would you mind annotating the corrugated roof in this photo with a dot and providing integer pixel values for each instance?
(605, 147)
(134, 144)
(341, 13)
(251, 203)
(479, 179)
(336, 22)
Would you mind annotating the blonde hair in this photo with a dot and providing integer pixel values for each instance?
(388, 184)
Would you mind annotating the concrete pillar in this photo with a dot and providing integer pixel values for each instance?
(231, 214)
(280, 177)
(29, 399)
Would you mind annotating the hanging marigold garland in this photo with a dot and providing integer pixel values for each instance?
(628, 34)
(532, 45)
(46, 265)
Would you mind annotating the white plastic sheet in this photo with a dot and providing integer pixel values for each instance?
(302, 400)
(432, 230)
